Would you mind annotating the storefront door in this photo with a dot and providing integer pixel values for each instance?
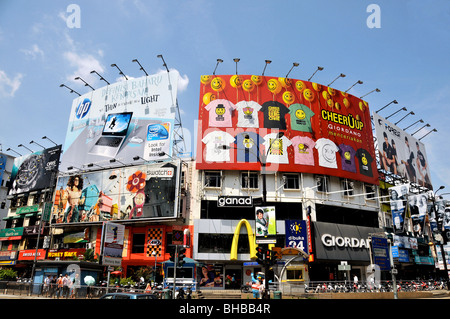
(233, 277)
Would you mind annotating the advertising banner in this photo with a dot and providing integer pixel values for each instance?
(35, 171)
(380, 251)
(400, 153)
(137, 192)
(122, 121)
(265, 225)
(292, 125)
(297, 234)
(3, 159)
(342, 242)
(398, 201)
(418, 209)
(113, 243)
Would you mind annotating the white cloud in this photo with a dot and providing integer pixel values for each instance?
(183, 80)
(83, 64)
(9, 86)
(34, 52)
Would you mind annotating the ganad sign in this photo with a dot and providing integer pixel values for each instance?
(235, 201)
(344, 242)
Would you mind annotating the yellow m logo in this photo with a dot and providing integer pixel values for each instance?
(251, 240)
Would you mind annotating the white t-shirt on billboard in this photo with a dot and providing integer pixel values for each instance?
(218, 146)
(248, 113)
(327, 152)
(276, 148)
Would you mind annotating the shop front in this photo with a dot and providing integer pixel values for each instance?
(337, 245)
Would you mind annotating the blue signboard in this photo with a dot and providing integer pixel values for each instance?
(380, 251)
(401, 254)
(296, 234)
(3, 159)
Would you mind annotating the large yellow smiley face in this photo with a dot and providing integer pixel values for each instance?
(346, 102)
(316, 86)
(274, 86)
(256, 79)
(300, 114)
(284, 81)
(205, 79)
(300, 86)
(217, 84)
(248, 85)
(308, 94)
(288, 97)
(326, 95)
(236, 81)
(208, 97)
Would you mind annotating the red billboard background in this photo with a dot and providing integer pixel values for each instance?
(300, 109)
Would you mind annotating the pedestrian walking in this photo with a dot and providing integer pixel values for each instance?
(66, 286)
(59, 286)
(45, 290)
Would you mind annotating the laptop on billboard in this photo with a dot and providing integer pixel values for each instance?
(113, 135)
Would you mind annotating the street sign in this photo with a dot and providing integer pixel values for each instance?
(155, 242)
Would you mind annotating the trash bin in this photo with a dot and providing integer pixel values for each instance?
(277, 294)
(166, 294)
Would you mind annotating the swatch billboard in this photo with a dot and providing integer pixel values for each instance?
(291, 125)
(127, 193)
(35, 171)
(124, 120)
(400, 153)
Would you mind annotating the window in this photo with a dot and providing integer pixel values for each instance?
(294, 274)
(369, 190)
(213, 179)
(322, 183)
(291, 181)
(347, 186)
(249, 180)
(138, 244)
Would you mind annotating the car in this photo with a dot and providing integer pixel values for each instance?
(128, 295)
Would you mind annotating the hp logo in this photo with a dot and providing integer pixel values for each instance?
(83, 108)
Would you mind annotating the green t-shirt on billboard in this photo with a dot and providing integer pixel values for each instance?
(301, 117)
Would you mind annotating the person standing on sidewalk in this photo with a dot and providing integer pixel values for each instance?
(59, 286)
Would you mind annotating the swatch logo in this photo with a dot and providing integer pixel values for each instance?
(83, 108)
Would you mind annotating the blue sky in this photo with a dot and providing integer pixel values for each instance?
(407, 58)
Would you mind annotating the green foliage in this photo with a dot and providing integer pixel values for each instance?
(146, 272)
(91, 256)
(8, 274)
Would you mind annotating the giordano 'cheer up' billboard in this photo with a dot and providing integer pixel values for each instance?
(292, 125)
(35, 171)
(137, 192)
(124, 120)
(400, 153)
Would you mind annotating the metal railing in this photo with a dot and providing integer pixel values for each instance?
(53, 291)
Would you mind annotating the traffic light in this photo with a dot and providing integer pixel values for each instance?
(271, 257)
(260, 255)
(181, 256)
(172, 256)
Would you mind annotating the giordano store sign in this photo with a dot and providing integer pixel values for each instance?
(342, 242)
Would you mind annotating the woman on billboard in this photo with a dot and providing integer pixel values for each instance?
(73, 191)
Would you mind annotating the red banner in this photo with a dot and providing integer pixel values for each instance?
(292, 125)
(29, 254)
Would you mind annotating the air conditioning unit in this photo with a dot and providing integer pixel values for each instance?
(55, 246)
(66, 246)
(89, 246)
